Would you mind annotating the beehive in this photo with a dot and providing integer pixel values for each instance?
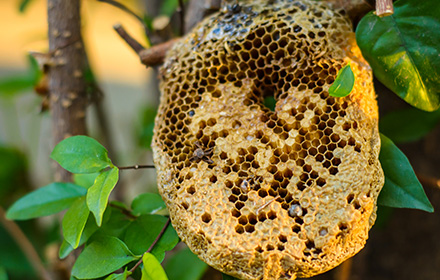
(260, 193)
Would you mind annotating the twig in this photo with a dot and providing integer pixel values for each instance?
(152, 245)
(428, 180)
(135, 167)
(25, 245)
(384, 8)
(135, 45)
(343, 272)
(126, 212)
(125, 9)
(266, 204)
(182, 17)
(156, 54)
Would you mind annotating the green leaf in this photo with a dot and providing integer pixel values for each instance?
(74, 222)
(13, 85)
(103, 256)
(169, 7)
(147, 126)
(81, 154)
(114, 223)
(3, 274)
(185, 265)
(402, 189)
(119, 276)
(23, 5)
(344, 82)
(270, 103)
(98, 194)
(228, 277)
(89, 229)
(85, 180)
(152, 270)
(45, 201)
(143, 231)
(403, 50)
(147, 203)
(409, 124)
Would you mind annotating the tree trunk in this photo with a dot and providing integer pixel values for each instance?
(67, 69)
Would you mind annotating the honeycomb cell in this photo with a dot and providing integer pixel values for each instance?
(266, 183)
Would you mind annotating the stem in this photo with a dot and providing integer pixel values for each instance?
(182, 17)
(124, 211)
(125, 9)
(135, 167)
(152, 245)
(26, 246)
(67, 84)
(135, 45)
(384, 8)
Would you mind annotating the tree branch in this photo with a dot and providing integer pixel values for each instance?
(135, 45)
(26, 246)
(67, 84)
(384, 8)
(152, 245)
(136, 167)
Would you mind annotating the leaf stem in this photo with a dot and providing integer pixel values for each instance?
(25, 245)
(135, 167)
(384, 8)
(152, 245)
(124, 211)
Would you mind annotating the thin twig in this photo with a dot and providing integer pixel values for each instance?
(384, 8)
(428, 180)
(124, 211)
(152, 245)
(125, 9)
(25, 245)
(182, 17)
(135, 45)
(135, 167)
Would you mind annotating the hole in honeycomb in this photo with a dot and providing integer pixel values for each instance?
(249, 228)
(259, 249)
(239, 229)
(296, 228)
(185, 205)
(235, 213)
(206, 217)
(191, 190)
(262, 217)
(271, 215)
(280, 247)
(282, 238)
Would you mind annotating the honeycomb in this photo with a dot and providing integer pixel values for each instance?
(259, 192)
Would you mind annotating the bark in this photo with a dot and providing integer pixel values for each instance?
(68, 64)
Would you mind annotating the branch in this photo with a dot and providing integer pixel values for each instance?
(26, 246)
(152, 245)
(156, 54)
(127, 10)
(124, 211)
(67, 83)
(384, 8)
(152, 56)
(136, 167)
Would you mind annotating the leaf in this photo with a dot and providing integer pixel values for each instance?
(89, 229)
(344, 82)
(23, 5)
(402, 189)
(3, 274)
(13, 85)
(409, 124)
(114, 223)
(403, 50)
(85, 180)
(228, 277)
(81, 154)
(147, 203)
(119, 276)
(143, 231)
(45, 201)
(103, 256)
(74, 222)
(185, 265)
(147, 126)
(169, 7)
(98, 194)
(152, 270)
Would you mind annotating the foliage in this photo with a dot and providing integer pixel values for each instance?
(115, 237)
(343, 84)
(403, 51)
(402, 189)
